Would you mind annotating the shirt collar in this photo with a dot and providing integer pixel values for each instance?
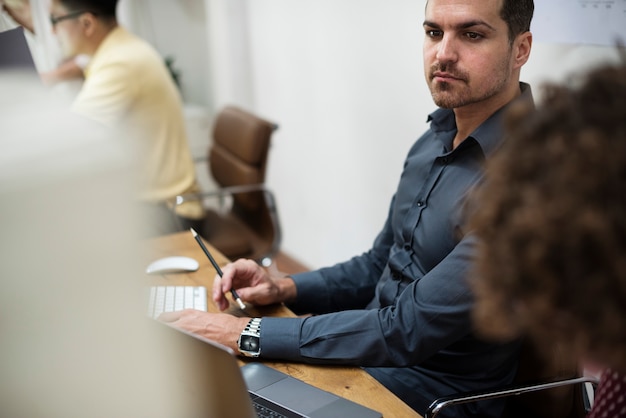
(489, 134)
(110, 39)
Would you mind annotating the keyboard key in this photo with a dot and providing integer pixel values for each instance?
(176, 298)
(268, 409)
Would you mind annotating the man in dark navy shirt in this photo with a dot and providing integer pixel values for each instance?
(403, 309)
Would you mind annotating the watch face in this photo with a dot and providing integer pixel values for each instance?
(249, 343)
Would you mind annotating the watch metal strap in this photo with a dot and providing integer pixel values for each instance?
(252, 332)
(254, 326)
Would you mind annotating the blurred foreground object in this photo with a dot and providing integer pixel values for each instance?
(73, 333)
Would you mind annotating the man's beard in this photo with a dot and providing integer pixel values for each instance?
(450, 96)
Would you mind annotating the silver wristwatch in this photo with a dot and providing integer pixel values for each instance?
(250, 338)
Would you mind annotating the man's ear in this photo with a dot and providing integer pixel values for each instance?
(88, 23)
(522, 47)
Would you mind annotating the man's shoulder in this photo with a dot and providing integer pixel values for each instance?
(125, 55)
(124, 46)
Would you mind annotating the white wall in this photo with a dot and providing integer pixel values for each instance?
(176, 29)
(344, 80)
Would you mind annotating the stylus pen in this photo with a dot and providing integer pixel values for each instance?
(217, 268)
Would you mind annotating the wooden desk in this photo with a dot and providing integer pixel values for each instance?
(350, 382)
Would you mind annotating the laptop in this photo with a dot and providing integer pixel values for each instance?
(222, 389)
(14, 52)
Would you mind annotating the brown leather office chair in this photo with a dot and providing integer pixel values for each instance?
(541, 389)
(241, 219)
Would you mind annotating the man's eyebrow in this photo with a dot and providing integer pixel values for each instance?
(463, 25)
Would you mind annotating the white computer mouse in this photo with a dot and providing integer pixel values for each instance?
(173, 264)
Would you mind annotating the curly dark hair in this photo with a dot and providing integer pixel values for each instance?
(551, 221)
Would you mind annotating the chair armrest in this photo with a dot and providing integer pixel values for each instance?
(227, 191)
(437, 405)
(270, 203)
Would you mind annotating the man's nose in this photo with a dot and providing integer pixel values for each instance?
(447, 49)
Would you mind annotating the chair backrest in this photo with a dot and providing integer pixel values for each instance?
(238, 157)
(239, 152)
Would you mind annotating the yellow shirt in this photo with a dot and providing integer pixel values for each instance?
(127, 86)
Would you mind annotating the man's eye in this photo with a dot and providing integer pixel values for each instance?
(473, 35)
(433, 33)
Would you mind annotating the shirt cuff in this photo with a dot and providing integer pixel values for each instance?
(307, 284)
(82, 61)
(280, 338)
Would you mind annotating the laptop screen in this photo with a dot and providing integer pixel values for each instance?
(14, 51)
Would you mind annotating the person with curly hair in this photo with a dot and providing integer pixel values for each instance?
(551, 224)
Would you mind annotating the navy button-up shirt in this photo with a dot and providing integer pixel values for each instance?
(406, 302)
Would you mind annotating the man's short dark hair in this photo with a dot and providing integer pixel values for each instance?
(101, 8)
(517, 14)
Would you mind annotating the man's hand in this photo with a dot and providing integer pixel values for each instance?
(20, 12)
(253, 284)
(67, 70)
(222, 328)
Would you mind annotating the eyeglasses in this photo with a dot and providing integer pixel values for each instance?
(72, 15)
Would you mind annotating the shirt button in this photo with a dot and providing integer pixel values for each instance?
(420, 204)
(407, 247)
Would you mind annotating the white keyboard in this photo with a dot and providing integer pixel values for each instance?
(176, 298)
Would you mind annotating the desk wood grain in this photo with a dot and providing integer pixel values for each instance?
(350, 382)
